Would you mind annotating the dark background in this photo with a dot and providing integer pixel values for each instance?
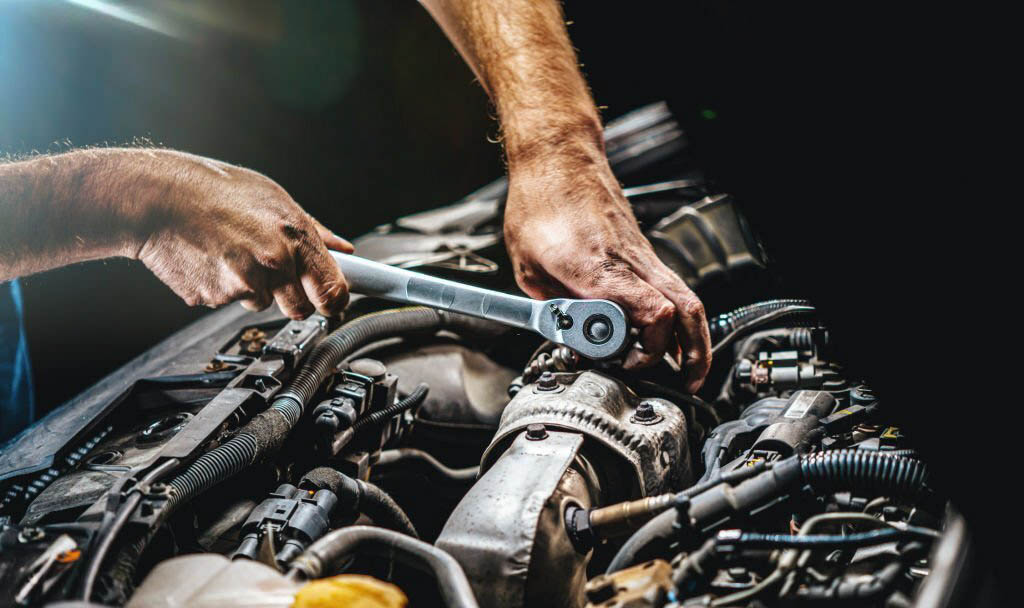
(361, 110)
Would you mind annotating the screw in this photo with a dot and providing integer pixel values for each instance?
(536, 432)
(563, 321)
(547, 382)
(215, 366)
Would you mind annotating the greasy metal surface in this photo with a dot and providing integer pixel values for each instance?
(645, 584)
(601, 407)
(466, 386)
(380, 280)
(493, 530)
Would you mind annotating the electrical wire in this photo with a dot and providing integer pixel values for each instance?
(121, 517)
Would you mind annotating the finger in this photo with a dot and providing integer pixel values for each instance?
(653, 315)
(692, 332)
(649, 311)
(332, 240)
(696, 342)
(258, 298)
(324, 285)
(292, 301)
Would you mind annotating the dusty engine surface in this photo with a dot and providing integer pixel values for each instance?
(253, 461)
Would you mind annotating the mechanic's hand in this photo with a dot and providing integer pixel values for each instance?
(220, 233)
(569, 230)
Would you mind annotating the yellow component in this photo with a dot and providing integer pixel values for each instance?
(350, 591)
(891, 433)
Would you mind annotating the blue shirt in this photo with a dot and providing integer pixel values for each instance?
(17, 400)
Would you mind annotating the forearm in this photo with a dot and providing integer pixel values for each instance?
(78, 206)
(520, 51)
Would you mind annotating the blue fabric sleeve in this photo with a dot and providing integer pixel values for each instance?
(17, 400)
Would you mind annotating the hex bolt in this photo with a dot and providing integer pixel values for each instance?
(644, 412)
(547, 382)
(536, 432)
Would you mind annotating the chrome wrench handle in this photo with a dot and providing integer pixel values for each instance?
(596, 329)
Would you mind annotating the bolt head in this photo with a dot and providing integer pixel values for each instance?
(547, 382)
(536, 432)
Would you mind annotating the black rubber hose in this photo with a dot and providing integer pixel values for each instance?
(383, 510)
(373, 419)
(857, 470)
(267, 430)
(861, 470)
(360, 496)
(321, 556)
(800, 312)
(725, 324)
(106, 535)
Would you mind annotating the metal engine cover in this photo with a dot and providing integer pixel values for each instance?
(585, 446)
(603, 410)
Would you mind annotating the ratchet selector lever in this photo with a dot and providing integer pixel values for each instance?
(596, 329)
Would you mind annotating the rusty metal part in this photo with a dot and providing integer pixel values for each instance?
(642, 586)
(624, 517)
(215, 365)
(601, 408)
(508, 532)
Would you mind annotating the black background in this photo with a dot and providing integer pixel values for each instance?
(839, 126)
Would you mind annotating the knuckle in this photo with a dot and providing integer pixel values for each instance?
(693, 308)
(664, 311)
(275, 261)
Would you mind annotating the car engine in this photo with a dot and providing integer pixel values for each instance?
(409, 455)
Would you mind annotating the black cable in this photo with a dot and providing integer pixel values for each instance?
(124, 512)
(414, 399)
(755, 540)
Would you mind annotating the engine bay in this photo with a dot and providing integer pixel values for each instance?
(249, 460)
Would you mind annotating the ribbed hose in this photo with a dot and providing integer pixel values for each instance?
(859, 470)
(265, 432)
(754, 315)
(415, 398)
(724, 324)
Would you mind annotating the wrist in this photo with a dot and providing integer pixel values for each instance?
(573, 142)
(124, 195)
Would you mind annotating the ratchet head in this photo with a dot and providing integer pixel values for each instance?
(596, 329)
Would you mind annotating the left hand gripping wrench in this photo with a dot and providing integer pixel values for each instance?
(596, 329)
